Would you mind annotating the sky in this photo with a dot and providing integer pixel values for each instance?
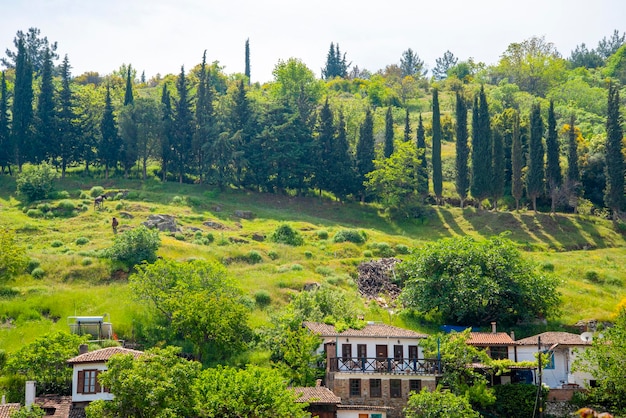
(161, 36)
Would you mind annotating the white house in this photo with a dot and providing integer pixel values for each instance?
(564, 348)
(86, 367)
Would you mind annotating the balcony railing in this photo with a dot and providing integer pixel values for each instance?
(385, 365)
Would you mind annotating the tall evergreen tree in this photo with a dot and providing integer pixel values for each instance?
(614, 191)
(45, 125)
(516, 162)
(166, 131)
(365, 153)
(247, 69)
(67, 123)
(497, 167)
(336, 65)
(481, 149)
(343, 177)
(388, 145)
(462, 149)
(204, 137)
(128, 94)
(183, 127)
(326, 145)
(5, 138)
(422, 175)
(554, 177)
(573, 175)
(535, 174)
(436, 156)
(242, 128)
(407, 126)
(443, 64)
(22, 112)
(109, 145)
(411, 64)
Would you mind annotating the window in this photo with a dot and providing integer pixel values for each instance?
(355, 388)
(346, 351)
(398, 352)
(413, 352)
(415, 385)
(376, 388)
(88, 382)
(499, 352)
(361, 351)
(395, 388)
(549, 365)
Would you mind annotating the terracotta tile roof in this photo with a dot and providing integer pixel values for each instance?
(55, 406)
(77, 413)
(102, 355)
(485, 339)
(6, 409)
(316, 395)
(554, 337)
(370, 330)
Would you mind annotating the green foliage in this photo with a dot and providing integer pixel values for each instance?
(516, 401)
(13, 258)
(82, 240)
(38, 273)
(476, 282)
(254, 257)
(262, 298)
(350, 235)
(322, 234)
(402, 249)
(36, 182)
(156, 384)
(135, 246)
(96, 191)
(33, 412)
(225, 392)
(383, 249)
(34, 213)
(44, 359)
(56, 243)
(273, 255)
(439, 403)
(285, 234)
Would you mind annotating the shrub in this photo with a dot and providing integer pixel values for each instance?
(177, 200)
(273, 255)
(61, 194)
(33, 263)
(322, 234)
(308, 254)
(44, 207)
(82, 240)
(36, 182)
(8, 292)
(253, 257)
(350, 235)
(296, 267)
(285, 234)
(34, 213)
(515, 401)
(66, 207)
(135, 246)
(210, 237)
(547, 267)
(179, 236)
(367, 254)
(56, 243)
(323, 270)
(87, 261)
(96, 191)
(262, 298)
(38, 273)
(593, 277)
(382, 249)
(402, 249)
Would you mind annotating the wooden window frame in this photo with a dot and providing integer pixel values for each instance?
(376, 388)
(88, 383)
(355, 388)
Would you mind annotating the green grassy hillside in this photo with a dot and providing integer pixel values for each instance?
(584, 252)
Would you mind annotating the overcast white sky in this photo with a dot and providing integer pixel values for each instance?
(159, 36)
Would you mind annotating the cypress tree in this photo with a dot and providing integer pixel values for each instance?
(241, 126)
(22, 112)
(343, 179)
(573, 175)
(481, 149)
(128, 94)
(182, 128)
(247, 69)
(436, 155)
(516, 161)
(388, 148)
(108, 148)
(205, 130)
(365, 153)
(5, 139)
(497, 167)
(46, 131)
(614, 191)
(535, 175)
(553, 165)
(166, 131)
(407, 126)
(462, 149)
(421, 149)
(67, 123)
(326, 139)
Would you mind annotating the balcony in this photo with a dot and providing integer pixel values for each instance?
(390, 365)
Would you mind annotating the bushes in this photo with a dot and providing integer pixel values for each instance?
(285, 234)
(262, 298)
(350, 235)
(36, 182)
(515, 401)
(135, 246)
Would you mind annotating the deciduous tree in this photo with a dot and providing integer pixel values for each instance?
(438, 403)
(12, 255)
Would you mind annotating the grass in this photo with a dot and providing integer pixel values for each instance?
(565, 245)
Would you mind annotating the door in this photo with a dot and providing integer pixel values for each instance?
(381, 352)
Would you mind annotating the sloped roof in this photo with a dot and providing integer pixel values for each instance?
(102, 355)
(554, 337)
(374, 330)
(316, 395)
(6, 409)
(56, 406)
(486, 339)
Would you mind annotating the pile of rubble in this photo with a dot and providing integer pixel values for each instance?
(375, 278)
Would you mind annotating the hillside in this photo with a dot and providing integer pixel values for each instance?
(583, 251)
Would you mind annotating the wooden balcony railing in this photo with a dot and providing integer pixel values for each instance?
(385, 365)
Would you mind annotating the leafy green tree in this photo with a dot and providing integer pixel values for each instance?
(388, 145)
(13, 258)
(436, 155)
(421, 149)
(22, 111)
(326, 145)
(614, 157)
(182, 127)
(439, 403)
(226, 392)
(247, 59)
(5, 134)
(535, 174)
(155, 384)
(110, 143)
(45, 124)
(242, 129)
(68, 128)
(44, 360)
(443, 64)
(475, 282)
(128, 93)
(411, 64)
(554, 177)
(336, 64)
(516, 161)
(462, 149)
(285, 234)
(482, 154)
(583, 57)
(147, 116)
(129, 135)
(365, 154)
(199, 301)
(135, 246)
(36, 182)
(35, 47)
(344, 177)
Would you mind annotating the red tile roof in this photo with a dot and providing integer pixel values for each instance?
(554, 337)
(102, 355)
(375, 330)
(7, 409)
(316, 395)
(55, 406)
(487, 339)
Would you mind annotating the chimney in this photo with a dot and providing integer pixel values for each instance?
(513, 335)
(30, 393)
(493, 327)
(83, 348)
(318, 383)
